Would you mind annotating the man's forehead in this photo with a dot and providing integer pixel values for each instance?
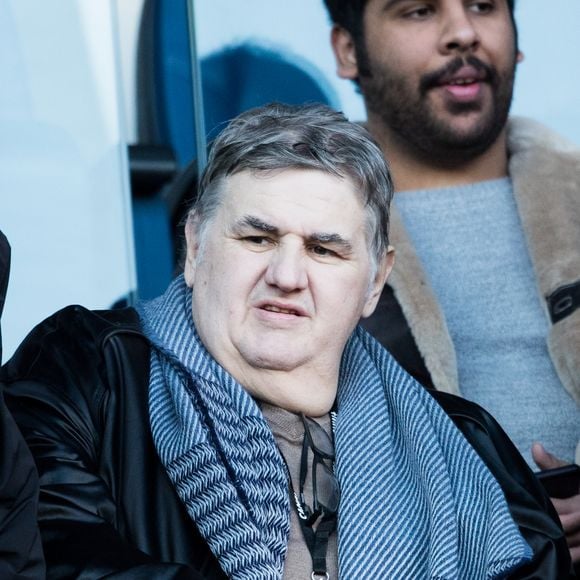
(268, 185)
(312, 200)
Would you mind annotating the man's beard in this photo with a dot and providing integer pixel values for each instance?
(407, 113)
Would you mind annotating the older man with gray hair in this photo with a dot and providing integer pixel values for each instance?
(242, 425)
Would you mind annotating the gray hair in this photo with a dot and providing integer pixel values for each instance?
(278, 137)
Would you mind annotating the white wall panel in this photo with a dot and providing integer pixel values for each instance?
(64, 197)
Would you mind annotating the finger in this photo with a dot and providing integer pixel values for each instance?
(573, 540)
(570, 523)
(575, 555)
(568, 506)
(544, 459)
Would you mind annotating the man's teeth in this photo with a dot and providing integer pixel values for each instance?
(462, 82)
(281, 310)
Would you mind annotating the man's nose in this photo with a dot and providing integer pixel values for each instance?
(287, 269)
(458, 32)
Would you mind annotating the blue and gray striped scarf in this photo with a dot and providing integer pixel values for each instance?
(416, 499)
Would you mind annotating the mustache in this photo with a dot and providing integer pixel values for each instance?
(435, 78)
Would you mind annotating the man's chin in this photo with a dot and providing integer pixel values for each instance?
(457, 137)
(274, 359)
(465, 129)
(460, 122)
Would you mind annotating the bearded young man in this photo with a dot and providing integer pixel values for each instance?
(484, 301)
(242, 425)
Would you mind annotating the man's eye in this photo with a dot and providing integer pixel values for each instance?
(482, 7)
(322, 251)
(257, 240)
(419, 12)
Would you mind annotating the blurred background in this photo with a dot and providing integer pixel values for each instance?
(105, 105)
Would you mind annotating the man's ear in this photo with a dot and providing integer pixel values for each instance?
(344, 53)
(383, 271)
(192, 249)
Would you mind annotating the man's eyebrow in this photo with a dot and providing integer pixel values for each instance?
(389, 4)
(316, 238)
(334, 239)
(256, 224)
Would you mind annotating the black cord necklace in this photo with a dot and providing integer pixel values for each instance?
(319, 521)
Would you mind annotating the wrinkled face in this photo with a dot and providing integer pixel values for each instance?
(282, 272)
(439, 73)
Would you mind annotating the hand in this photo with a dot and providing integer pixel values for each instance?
(568, 509)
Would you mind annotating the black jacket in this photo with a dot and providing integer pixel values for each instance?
(20, 547)
(78, 389)
(4, 276)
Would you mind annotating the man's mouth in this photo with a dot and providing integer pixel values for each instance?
(461, 82)
(281, 310)
(464, 76)
(464, 87)
(458, 73)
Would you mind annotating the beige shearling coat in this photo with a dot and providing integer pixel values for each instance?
(545, 170)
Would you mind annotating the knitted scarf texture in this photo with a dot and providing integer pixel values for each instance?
(416, 499)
